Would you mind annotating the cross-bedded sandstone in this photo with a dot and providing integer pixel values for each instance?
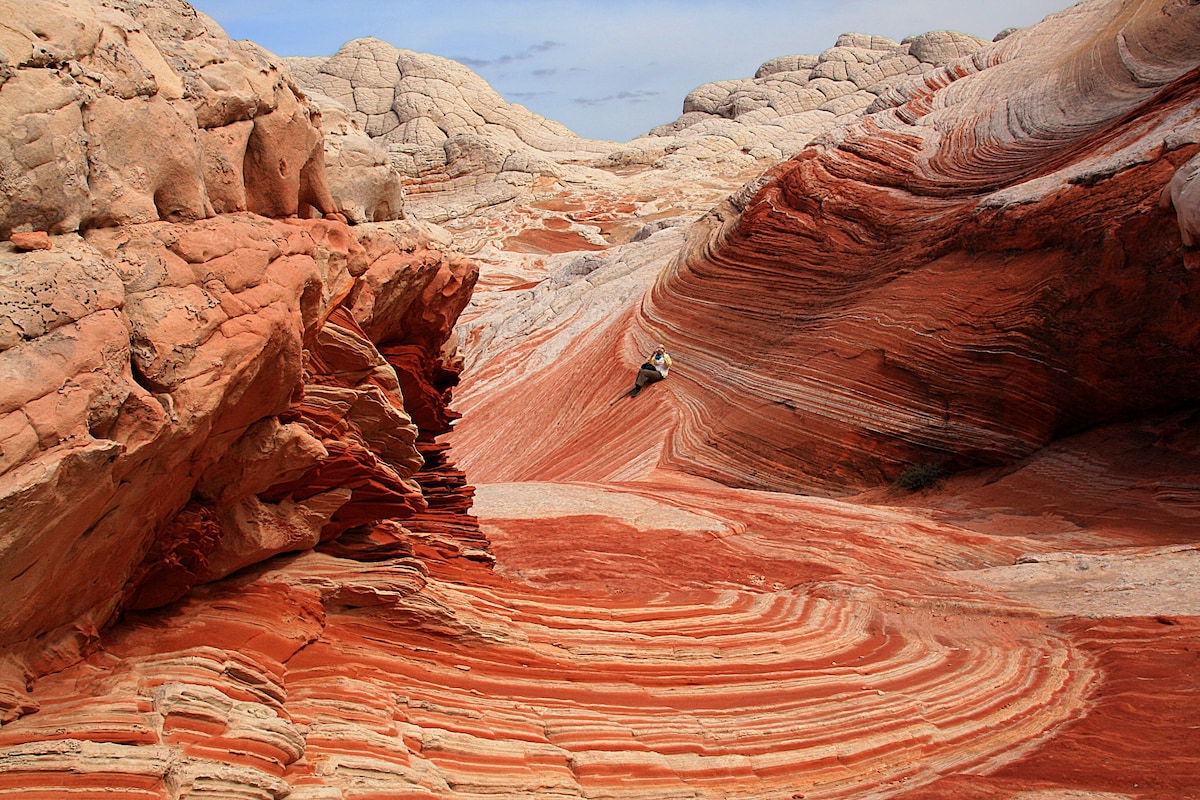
(228, 427)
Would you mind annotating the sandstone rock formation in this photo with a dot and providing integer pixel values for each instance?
(187, 394)
(670, 636)
(85, 82)
(958, 277)
(226, 429)
(968, 274)
(457, 142)
(514, 187)
(792, 100)
(117, 113)
(463, 149)
(209, 395)
(1012, 278)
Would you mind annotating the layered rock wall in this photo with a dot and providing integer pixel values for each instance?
(959, 277)
(197, 374)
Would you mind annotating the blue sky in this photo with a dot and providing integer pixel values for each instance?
(612, 69)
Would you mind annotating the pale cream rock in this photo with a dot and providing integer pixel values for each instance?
(775, 108)
(1183, 194)
(941, 47)
(364, 184)
(443, 125)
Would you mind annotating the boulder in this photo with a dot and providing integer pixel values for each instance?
(364, 184)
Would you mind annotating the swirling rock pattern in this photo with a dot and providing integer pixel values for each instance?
(665, 639)
(957, 278)
(966, 275)
(209, 394)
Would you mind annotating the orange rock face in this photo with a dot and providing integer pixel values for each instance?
(958, 278)
(234, 369)
(673, 636)
(238, 560)
(186, 395)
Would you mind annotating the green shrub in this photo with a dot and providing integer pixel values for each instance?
(920, 476)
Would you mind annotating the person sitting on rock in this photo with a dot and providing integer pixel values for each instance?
(655, 369)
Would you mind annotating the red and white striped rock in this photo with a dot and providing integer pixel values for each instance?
(612, 625)
(665, 638)
(957, 278)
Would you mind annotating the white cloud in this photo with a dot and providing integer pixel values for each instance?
(508, 58)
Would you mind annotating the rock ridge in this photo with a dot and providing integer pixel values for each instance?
(957, 279)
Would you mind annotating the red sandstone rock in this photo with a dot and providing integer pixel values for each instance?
(31, 240)
(958, 278)
(963, 304)
(672, 634)
(285, 164)
(179, 346)
(664, 636)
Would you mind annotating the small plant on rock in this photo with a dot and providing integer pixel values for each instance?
(920, 476)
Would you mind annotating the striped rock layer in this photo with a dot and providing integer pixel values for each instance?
(612, 626)
(669, 639)
(992, 260)
(999, 255)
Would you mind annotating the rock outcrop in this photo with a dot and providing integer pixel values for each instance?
(121, 113)
(364, 184)
(956, 278)
(792, 100)
(209, 395)
(962, 276)
(459, 145)
(514, 187)
(237, 560)
(191, 388)
(463, 149)
(125, 113)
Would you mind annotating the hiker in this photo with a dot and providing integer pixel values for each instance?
(655, 369)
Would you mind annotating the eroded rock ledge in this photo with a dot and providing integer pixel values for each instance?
(202, 364)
